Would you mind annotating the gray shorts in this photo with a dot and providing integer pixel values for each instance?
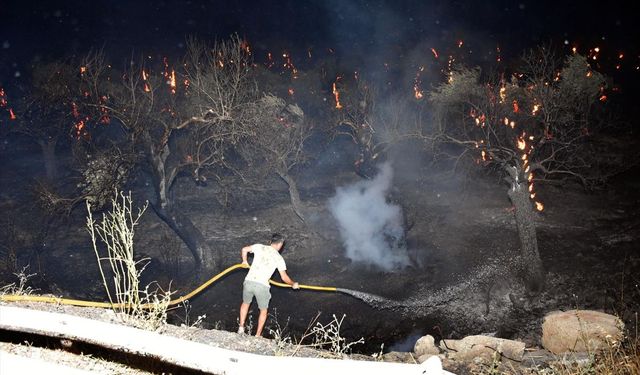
(252, 289)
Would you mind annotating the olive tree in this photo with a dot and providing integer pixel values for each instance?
(530, 128)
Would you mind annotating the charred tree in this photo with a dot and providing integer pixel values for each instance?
(375, 122)
(519, 195)
(533, 127)
(46, 111)
(294, 194)
(276, 145)
(48, 147)
(163, 177)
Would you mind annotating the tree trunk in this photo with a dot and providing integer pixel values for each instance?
(532, 264)
(189, 234)
(294, 194)
(50, 160)
(176, 220)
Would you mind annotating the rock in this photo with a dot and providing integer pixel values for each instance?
(426, 345)
(536, 357)
(580, 331)
(483, 347)
(398, 357)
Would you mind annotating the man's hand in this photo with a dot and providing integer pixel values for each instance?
(295, 286)
(245, 264)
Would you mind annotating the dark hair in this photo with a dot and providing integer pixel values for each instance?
(277, 238)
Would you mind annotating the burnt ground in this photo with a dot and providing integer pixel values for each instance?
(462, 239)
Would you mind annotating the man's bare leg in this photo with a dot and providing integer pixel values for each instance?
(244, 311)
(262, 318)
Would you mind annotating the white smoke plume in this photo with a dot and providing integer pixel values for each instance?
(370, 226)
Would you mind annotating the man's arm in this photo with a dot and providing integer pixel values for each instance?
(244, 253)
(285, 277)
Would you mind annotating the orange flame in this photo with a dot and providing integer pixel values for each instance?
(12, 116)
(3, 98)
(539, 206)
(145, 76)
(336, 95)
(417, 92)
(521, 144)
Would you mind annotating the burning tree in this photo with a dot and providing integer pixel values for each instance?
(276, 145)
(532, 127)
(146, 106)
(183, 120)
(374, 124)
(46, 110)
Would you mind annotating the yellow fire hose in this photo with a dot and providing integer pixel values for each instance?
(76, 302)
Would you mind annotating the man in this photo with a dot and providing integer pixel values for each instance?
(266, 259)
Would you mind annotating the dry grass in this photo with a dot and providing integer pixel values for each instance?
(144, 308)
(616, 359)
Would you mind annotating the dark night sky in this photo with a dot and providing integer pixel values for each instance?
(29, 29)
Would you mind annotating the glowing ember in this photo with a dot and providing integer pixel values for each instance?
(521, 144)
(12, 116)
(74, 110)
(503, 94)
(417, 91)
(539, 206)
(336, 94)
(145, 76)
(172, 81)
(536, 108)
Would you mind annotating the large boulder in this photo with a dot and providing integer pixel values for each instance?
(425, 345)
(580, 331)
(484, 347)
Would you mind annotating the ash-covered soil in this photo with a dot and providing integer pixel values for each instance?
(462, 241)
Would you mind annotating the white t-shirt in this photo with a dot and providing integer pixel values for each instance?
(266, 260)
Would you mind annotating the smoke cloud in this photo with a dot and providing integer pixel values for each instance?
(370, 226)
